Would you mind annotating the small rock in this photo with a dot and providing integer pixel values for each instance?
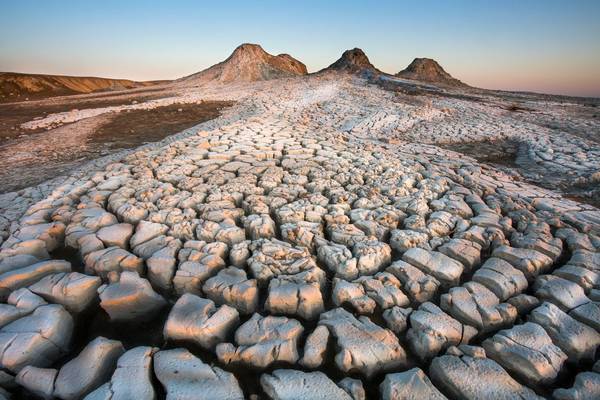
(412, 384)
(37, 381)
(432, 331)
(186, 377)
(577, 340)
(440, 266)
(231, 286)
(287, 384)
(475, 378)
(130, 298)
(75, 291)
(262, 341)
(36, 340)
(132, 379)
(528, 352)
(585, 387)
(315, 348)
(197, 320)
(89, 369)
(363, 346)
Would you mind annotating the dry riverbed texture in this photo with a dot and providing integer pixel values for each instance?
(42, 153)
(327, 237)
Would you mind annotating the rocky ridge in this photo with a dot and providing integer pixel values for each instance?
(17, 86)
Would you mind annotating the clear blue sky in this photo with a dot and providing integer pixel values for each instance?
(544, 45)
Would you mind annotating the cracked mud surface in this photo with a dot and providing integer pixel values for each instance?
(45, 154)
(311, 242)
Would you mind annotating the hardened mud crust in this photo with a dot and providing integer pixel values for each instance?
(284, 251)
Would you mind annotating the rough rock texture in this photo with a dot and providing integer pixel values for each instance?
(587, 279)
(132, 379)
(111, 259)
(20, 303)
(396, 319)
(363, 346)
(470, 375)
(37, 381)
(365, 293)
(297, 295)
(438, 265)
(586, 387)
(501, 277)
(354, 387)
(432, 331)
(198, 261)
(115, 235)
(261, 341)
(37, 340)
(92, 367)
(530, 262)
(185, 376)
(528, 352)
(565, 294)
(271, 258)
(232, 287)
(475, 305)
(402, 240)
(468, 253)
(23, 277)
(285, 384)
(412, 384)
(75, 291)
(589, 314)
(419, 286)
(197, 320)
(130, 298)
(577, 340)
(162, 265)
(315, 347)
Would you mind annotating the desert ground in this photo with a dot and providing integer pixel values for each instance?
(259, 232)
(41, 154)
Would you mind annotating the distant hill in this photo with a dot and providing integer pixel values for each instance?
(354, 61)
(17, 87)
(249, 62)
(428, 70)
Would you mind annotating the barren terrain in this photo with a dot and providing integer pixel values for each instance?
(42, 154)
(340, 235)
(25, 87)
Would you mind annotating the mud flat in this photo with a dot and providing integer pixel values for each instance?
(285, 250)
(511, 157)
(44, 154)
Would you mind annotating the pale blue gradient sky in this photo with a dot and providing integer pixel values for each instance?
(544, 45)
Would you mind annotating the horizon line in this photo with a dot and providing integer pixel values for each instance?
(166, 80)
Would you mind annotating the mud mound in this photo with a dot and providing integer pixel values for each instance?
(354, 60)
(247, 63)
(428, 70)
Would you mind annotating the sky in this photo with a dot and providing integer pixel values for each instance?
(536, 45)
